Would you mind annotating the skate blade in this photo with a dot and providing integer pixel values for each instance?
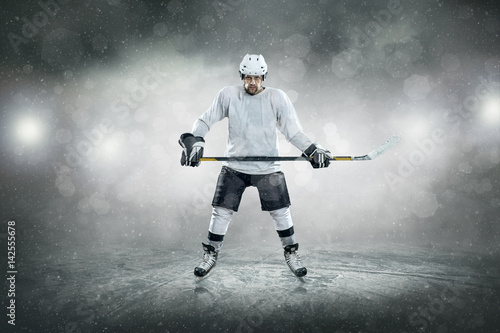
(201, 278)
(301, 278)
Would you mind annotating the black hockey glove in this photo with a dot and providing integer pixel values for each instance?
(319, 156)
(192, 149)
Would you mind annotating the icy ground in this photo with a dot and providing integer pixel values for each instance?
(349, 288)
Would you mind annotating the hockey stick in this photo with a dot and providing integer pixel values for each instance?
(391, 142)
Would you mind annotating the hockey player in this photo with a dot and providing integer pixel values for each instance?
(254, 113)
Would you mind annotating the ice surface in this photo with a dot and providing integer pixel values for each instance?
(348, 288)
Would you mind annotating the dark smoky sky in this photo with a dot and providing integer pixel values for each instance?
(95, 94)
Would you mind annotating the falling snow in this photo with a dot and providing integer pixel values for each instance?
(95, 94)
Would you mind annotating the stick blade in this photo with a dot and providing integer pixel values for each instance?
(391, 142)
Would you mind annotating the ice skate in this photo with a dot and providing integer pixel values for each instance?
(209, 261)
(293, 260)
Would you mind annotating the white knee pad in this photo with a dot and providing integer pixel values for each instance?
(282, 218)
(220, 220)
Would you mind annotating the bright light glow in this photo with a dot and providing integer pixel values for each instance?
(29, 130)
(112, 147)
(110, 151)
(419, 129)
(491, 111)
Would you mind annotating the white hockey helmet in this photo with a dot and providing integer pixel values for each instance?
(253, 64)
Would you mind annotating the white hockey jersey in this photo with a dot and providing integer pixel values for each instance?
(253, 120)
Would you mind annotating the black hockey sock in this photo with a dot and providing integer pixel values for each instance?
(215, 240)
(287, 236)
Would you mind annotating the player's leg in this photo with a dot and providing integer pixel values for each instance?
(227, 198)
(283, 224)
(274, 198)
(219, 223)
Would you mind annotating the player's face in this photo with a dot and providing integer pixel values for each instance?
(252, 84)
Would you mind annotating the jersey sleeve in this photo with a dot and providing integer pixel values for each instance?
(288, 122)
(217, 111)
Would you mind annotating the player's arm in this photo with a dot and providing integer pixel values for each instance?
(193, 143)
(289, 125)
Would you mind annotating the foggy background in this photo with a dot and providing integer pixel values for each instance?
(95, 94)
